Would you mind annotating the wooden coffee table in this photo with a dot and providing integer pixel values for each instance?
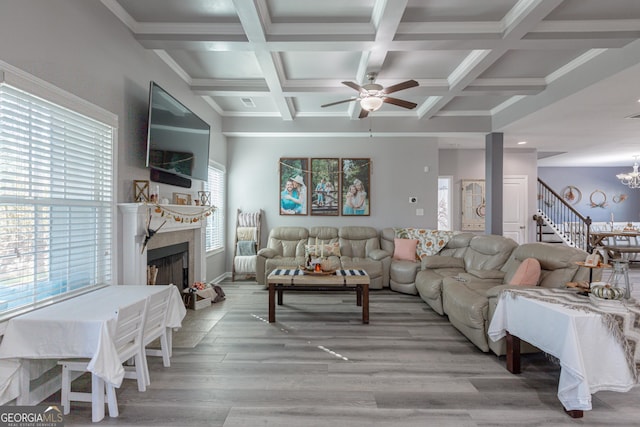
(292, 279)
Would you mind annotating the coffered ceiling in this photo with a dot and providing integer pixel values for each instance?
(559, 74)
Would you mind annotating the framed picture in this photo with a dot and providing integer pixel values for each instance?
(181, 199)
(325, 194)
(356, 186)
(294, 176)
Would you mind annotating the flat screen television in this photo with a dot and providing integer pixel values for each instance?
(177, 140)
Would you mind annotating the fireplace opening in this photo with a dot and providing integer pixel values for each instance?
(169, 264)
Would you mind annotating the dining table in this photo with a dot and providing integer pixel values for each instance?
(595, 342)
(598, 237)
(79, 327)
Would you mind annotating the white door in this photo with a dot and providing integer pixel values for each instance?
(514, 213)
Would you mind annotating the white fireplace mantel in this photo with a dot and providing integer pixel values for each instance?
(134, 217)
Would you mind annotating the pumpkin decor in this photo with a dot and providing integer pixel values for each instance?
(606, 291)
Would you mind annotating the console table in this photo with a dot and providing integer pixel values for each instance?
(596, 346)
(296, 280)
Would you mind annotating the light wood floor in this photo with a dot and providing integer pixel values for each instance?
(319, 366)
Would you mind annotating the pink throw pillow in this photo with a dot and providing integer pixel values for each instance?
(405, 249)
(527, 274)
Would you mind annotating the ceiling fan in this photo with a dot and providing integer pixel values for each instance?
(373, 95)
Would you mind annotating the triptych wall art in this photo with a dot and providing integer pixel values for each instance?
(325, 186)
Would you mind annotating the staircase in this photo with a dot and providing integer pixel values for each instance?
(558, 222)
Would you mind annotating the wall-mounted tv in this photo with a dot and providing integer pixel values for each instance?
(177, 140)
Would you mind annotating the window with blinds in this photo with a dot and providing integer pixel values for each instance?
(56, 198)
(215, 223)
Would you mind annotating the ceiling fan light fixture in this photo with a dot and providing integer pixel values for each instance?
(371, 103)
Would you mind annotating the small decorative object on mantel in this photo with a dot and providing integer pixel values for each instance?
(204, 197)
(181, 199)
(140, 191)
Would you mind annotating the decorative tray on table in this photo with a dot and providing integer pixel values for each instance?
(311, 272)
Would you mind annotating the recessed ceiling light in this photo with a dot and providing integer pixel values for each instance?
(522, 142)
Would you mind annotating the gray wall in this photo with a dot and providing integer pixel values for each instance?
(397, 172)
(469, 164)
(588, 180)
(81, 47)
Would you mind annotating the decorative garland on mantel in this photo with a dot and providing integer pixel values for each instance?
(183, 217)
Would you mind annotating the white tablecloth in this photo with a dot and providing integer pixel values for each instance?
(590, 357)
(81, 327)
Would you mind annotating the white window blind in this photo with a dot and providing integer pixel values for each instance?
(215, 224)
(55, 200)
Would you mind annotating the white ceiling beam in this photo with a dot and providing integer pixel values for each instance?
(521, 19)
(252, 23)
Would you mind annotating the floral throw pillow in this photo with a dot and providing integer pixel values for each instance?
(430, 242)
(324, 249)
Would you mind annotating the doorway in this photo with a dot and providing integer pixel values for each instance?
(514, 213)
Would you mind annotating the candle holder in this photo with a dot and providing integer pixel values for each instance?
(620, 276)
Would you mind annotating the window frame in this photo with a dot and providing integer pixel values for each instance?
(46, 91)
(220, 203)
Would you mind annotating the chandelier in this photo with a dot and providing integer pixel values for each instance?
(631, 179)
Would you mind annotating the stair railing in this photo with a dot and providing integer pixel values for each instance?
(569, 224)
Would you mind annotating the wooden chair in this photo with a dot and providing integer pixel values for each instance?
(128, 344)
(154, 328)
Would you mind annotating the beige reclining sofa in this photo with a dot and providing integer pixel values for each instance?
(359, 248)
(470, 304)
(466, 256)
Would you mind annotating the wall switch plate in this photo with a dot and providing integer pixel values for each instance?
(420, 212)
(413, 199)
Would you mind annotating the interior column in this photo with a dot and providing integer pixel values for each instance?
(494, 152)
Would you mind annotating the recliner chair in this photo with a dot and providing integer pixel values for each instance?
(285, 248)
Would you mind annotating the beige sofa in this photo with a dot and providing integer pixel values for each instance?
(470, 304)
(467, 256)
(359, 249)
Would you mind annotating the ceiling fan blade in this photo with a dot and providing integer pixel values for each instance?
(339, 102)
(400, 86)
(399, 102)
(355, 86)
(363, 113)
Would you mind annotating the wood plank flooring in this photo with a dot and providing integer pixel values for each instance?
(320, 366)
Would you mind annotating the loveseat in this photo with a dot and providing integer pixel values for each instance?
(470, 303)
(357, 248)
(466, 256)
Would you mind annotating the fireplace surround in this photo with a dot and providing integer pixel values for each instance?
(133, 253)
